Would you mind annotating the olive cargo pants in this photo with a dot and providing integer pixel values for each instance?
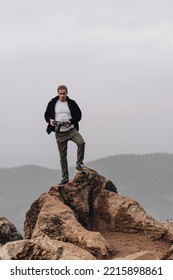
(62, 139)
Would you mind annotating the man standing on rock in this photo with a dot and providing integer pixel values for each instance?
(63, 115)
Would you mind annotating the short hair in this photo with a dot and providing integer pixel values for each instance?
(62, 87)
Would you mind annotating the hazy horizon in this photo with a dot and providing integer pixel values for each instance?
(85, 163)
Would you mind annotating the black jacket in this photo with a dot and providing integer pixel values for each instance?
(50, 113)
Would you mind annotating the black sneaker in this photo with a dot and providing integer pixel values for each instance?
(63, 182)
(79, 169)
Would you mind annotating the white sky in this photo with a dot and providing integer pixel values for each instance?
(116, 58)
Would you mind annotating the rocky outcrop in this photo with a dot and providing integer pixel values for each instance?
(8, 231)
(68, 223)
(67, 214)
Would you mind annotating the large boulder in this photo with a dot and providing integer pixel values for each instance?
(58, 221)
(42, 248)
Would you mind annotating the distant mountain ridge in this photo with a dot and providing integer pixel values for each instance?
(145, 178)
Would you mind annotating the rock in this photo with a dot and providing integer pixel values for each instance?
(42, 248)
(88, 202)
(126, 215)
(66, 214)
(58, 221)
(144, 255)
(8, 231)
(169, 226)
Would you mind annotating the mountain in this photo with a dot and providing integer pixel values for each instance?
(145, 178)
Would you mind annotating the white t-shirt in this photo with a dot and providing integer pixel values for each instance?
(63, 114)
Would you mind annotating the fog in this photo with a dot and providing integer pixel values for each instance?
(115, 57)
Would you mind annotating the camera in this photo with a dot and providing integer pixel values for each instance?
(57, 126)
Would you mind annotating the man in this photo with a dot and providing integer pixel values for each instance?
(63, 115)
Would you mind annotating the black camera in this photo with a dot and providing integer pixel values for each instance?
(57, 126)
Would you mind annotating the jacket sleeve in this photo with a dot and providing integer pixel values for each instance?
(47, 114)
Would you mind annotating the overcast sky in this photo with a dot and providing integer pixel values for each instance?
(116, 58)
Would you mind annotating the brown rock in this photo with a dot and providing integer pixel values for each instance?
(169, 226)
(126, 215)
(42, 248)
(8, 231)
(58, 221)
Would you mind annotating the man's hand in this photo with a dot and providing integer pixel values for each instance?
(52, 122)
